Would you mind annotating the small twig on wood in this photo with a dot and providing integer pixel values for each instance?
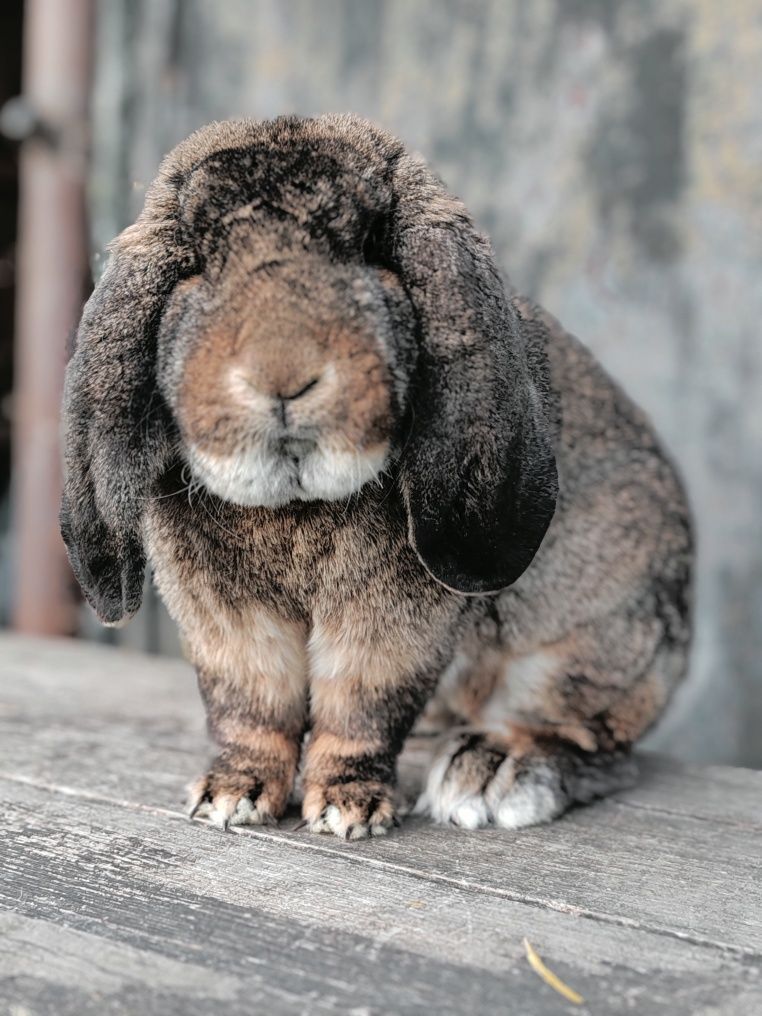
(549, 977)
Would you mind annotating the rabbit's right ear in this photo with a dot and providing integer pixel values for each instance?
(115, 423)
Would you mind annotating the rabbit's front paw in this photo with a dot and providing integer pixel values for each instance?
(241, 789)
(352, 811)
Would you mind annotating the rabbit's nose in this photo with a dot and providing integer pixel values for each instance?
(279, 393)
(298, 392)
(283, 399)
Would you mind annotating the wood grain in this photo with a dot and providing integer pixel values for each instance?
(295, 924)
(110, 901)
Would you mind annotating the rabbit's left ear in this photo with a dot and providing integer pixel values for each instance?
(478, 472)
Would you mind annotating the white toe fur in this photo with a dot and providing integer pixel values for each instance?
(220, 810)
(333, 820)
(471, 813)
(445, 799)
(227, 810)
(532, 799)
(511, 800)
(247, 813)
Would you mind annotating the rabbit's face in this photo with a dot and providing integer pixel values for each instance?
(288, 378)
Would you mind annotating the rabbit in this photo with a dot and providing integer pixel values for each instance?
(372, 483)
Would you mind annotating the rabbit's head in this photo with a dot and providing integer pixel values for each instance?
(300, 307)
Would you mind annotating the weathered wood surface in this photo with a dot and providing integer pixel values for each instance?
(111, 902)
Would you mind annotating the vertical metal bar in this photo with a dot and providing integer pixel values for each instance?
(52, 266)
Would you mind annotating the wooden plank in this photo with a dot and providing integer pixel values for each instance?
(44, 678)
(677, 876)
(713, 793)
(282, 927)
(138, 739)
(46, 968)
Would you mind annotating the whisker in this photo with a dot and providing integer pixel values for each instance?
(217, 522)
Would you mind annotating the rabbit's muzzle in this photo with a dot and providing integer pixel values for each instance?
(284, 403)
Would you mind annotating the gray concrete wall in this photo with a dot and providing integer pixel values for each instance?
(612, 149)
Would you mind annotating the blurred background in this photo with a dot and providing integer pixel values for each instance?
(611, 148)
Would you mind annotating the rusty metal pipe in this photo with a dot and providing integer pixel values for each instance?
(52, 266)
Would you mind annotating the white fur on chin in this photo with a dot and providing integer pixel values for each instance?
(259, 477)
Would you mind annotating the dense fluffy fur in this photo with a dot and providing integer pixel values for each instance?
(303, 390)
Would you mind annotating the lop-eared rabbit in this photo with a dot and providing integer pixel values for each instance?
(367, 478)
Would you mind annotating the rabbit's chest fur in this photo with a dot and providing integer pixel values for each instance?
(339, 582)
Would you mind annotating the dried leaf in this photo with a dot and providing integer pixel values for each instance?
(549, 977)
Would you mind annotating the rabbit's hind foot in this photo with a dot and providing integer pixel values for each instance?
(517, 780)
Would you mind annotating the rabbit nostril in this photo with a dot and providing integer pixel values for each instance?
(301, 391)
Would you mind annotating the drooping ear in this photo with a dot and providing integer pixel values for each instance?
(478, 472)
(115, 423)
